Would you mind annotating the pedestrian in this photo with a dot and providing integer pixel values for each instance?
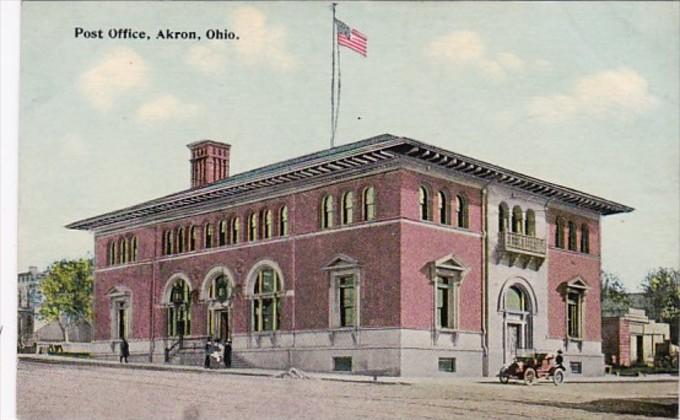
(227, 354)
(559, 359)
(124, 350)
(208, 350)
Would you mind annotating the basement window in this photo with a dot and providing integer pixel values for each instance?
(342, 364)
(576, 367)
(447, 364)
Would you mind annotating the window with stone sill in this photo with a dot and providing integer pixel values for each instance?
(283, 221)
(462, 212)
(235, 231)
(251, 233)
(447, 276)
(344, 292)
(347, 216)
(266, 300)
(443, 211)
(193, 238)
(327, 212)
(574, 296)
(369, 203)
(222, 233)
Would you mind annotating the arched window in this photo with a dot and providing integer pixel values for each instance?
(517, 220)
(222, 233)
(443, 208)
(327, 212)
(585, 239)
(519, 320)
(181, 239)
(530, 223)
(424, 203)
(193, 238)
(571, 228)
(209, 234)
(283, 221)
(168, 242)
(219, 292)
(235, 230)
(559, 233)
(134, 248)
(112, 253)
(462, 212)
(252, 227)
(347, 208)
(179, 309)
(503, 217)
(122, 251)
(267, 292)
(266, 216)
(515, 300)
(369, 203)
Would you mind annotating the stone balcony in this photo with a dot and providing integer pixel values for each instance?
(523, 249)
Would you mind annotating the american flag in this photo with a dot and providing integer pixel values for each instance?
(351, 38)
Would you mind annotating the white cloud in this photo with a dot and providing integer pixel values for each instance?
(121, 70)
(164, 108)
(620, 92)
(466, 49)
(259, 43)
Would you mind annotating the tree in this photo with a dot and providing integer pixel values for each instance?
(67, 289)
(662, 292)
(615, 299)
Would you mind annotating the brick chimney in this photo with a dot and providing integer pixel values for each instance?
(209, 162)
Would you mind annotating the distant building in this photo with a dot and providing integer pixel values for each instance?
(386, 254)
(29, 299)
(631, 338)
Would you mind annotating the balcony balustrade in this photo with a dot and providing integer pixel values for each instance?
(527, 250)
(516, 242)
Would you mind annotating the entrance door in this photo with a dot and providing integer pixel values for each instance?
(121, 323)
(640, 349)
(513, 334)
(224, 325)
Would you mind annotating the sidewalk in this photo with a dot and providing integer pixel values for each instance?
(326, 376)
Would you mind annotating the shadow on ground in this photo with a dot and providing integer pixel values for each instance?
(649, 407)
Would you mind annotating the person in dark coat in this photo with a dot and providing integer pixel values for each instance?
(208, 350)
(227, 354)
(559, 359)
(124, 350)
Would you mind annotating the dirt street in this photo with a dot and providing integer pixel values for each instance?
(70, 392)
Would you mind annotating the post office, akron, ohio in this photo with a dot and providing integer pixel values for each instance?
(384, 255)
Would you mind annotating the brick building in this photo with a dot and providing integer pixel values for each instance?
(385, 254)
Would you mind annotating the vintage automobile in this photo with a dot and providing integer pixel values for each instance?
(533, 367)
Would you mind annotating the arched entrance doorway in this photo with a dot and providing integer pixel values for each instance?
(216, 292)
(178, 301)
(518, 309)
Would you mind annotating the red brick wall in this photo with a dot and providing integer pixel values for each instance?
(422, 245)
(564, 266)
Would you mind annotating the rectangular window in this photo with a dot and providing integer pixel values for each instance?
(575, 367)
(574, 315)
(342, 364)
(447, 364)
(445, 303)
(347, 301)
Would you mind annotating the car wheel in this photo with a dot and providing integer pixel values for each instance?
(558, 377)
(503, 376)
(529, 376)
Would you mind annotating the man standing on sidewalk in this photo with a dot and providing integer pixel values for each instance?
(208, 350)
(227, 354)
(124, 350)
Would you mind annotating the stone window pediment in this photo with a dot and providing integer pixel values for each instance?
(341, 262)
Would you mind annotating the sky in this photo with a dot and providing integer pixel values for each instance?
(582, 94)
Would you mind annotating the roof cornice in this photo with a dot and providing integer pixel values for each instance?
(342, 159)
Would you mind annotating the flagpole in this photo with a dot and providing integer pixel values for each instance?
(333, 80)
